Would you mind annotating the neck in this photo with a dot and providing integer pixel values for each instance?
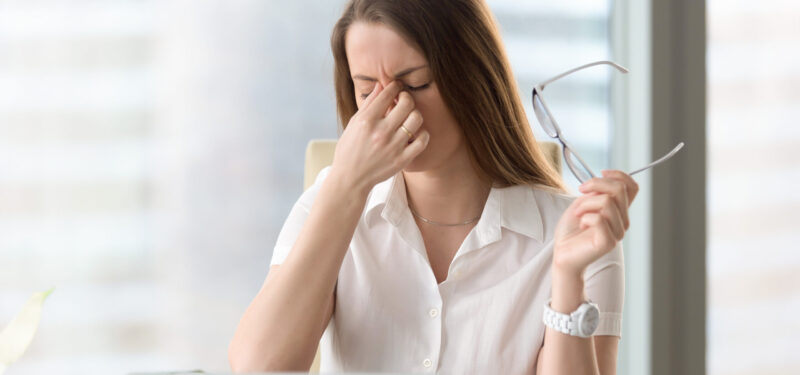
(450, 193)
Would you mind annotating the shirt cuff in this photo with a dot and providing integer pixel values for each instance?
(610, 325)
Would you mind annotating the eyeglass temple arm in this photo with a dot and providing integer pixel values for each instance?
(568, 72)
(659, 161)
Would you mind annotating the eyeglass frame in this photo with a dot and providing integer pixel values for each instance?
(568, 150)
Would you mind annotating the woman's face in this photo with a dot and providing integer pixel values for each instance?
(377, 53)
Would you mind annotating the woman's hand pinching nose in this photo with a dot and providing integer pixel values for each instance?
(374, 145)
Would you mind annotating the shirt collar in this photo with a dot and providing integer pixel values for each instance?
(513, 207)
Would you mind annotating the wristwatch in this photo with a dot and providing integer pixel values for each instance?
(581, 322)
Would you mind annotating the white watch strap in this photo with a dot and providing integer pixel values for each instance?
(581, 323)
(558, 321)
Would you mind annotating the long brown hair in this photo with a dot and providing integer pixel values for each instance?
(461, 41)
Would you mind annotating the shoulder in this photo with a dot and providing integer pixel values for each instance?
(551, 205)
(550, 200)
(323, 173)
(530, 209)
(307, 198)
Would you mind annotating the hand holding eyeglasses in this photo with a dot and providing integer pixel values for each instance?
(596, 221)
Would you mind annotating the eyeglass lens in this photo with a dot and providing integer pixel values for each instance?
(578, 169)
(544, 119)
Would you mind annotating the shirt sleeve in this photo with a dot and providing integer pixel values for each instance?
(604, 284)
(297, 217)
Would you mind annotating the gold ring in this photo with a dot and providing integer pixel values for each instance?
(407, 132)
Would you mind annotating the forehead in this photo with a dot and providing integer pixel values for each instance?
(376, 48)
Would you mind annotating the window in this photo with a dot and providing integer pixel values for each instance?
(149, 152)
(543, 39)
(753, 178)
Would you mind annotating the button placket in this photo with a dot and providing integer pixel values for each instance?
(434, 312)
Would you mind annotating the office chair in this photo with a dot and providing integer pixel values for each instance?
(319, 154)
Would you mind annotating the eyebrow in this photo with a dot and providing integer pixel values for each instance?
(396, 76)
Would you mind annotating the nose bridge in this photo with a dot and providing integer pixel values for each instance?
(385, 80)
(384, 75)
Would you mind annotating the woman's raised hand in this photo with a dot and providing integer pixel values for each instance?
(373, 147)
(594, 223)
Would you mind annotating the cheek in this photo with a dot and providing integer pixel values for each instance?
(357, 96)
(359, 101)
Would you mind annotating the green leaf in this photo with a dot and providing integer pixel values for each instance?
(18, 334)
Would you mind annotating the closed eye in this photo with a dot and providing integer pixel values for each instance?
(409, 88)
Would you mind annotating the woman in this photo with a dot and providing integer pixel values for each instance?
(440, 232)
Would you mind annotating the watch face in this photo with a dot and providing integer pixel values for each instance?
(590, 321)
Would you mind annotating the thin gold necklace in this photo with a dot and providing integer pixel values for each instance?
(443, 224)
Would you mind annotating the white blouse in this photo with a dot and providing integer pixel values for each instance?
(486, 318)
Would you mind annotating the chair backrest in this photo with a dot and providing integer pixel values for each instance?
(319, 154)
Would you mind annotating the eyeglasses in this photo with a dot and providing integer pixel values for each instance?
(575, 163)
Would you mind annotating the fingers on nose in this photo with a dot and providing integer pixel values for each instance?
(402, 105)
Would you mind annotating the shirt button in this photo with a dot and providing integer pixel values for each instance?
(427, 362)
(433, 313)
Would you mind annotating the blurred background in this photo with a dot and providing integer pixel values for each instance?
(151, 150)
(753, 186)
